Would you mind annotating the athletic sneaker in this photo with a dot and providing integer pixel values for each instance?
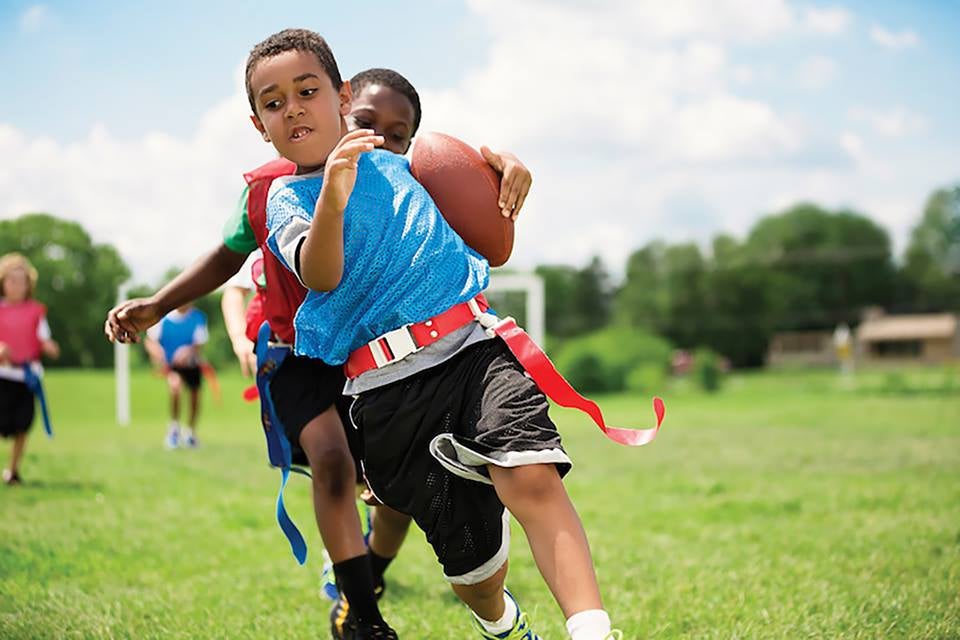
(375, 632)
(190, 440)
(172, 441)
(343, 626)
(521, 629)
(11, 478)
(328, 581)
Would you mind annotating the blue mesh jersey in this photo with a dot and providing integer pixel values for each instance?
(402, 261)
(180, 330)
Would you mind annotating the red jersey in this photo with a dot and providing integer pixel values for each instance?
(284, 293)
(19, 326)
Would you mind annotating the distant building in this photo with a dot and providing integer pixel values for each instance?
(802, 349)
(923, 338)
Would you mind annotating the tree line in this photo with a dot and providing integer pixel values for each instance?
(804, 268)
(800, 269)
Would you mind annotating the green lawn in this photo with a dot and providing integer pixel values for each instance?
(787, 506)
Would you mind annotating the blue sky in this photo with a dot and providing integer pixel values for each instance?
(639, 119)
(163, 64)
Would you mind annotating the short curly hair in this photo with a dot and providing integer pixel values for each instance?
(393, 80)
(292, 40)
(13, 261)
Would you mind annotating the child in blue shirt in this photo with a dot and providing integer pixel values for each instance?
(455, 433)
(174, 346)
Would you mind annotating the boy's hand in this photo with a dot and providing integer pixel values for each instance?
(243, 349)
(4, 353)
(185, 356)
(128, 319)
(340, 170)
(515, 180)
(50, 349)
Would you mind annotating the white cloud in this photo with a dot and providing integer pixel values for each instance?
(161, 200)
(892, 123)
(853, 145)
(34, 18)
(827, 20)
(816, 72)
(730, 20)
(893, 39)
(632, 117)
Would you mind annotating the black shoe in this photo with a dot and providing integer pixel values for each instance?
(379, 588)
(375, 632)
(342, 624)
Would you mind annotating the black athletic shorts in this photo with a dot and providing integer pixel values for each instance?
(302, 389)
(191, 376)
(429, 438)
(16, 408)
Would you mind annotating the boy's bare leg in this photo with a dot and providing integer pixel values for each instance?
(173, 382)
(536, 497)
(194, 407)
(484, 598)
(389, 531)
(334, 478)
(19, 444)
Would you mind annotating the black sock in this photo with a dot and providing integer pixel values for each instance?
(356, 584)
(379, 565)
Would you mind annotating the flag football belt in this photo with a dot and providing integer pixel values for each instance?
(31, 375)
(400, 343)
(270, 356)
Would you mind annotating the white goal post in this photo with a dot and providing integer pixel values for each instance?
(530, 284)
(121, 370)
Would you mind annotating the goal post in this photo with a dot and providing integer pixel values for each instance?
(529, 284)
(121, 370)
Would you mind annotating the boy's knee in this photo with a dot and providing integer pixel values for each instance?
(527, 484)
(332, 468)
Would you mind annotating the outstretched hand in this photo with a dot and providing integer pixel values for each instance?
(340, 170)
(126, 321)
(515, 180)
(243, 349)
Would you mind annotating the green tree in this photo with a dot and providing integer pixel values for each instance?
(930, 277)
(826, 265)
(577, 300)
(642, 299)
(742, 300)
(78, 282)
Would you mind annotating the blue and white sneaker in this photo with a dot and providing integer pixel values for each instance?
(190, 440)
(521, 628)
(172, 441)
(328, 581)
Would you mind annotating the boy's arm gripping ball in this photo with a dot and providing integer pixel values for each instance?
(467, 192)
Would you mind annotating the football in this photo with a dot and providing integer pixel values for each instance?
(466, 190)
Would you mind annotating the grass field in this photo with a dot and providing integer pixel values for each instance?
(787, 506)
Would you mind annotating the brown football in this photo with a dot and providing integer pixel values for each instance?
(466, 190)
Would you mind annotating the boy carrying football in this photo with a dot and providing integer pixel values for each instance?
(454, 432)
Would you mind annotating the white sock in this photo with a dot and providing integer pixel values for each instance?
(592, 624)
(505, 623)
